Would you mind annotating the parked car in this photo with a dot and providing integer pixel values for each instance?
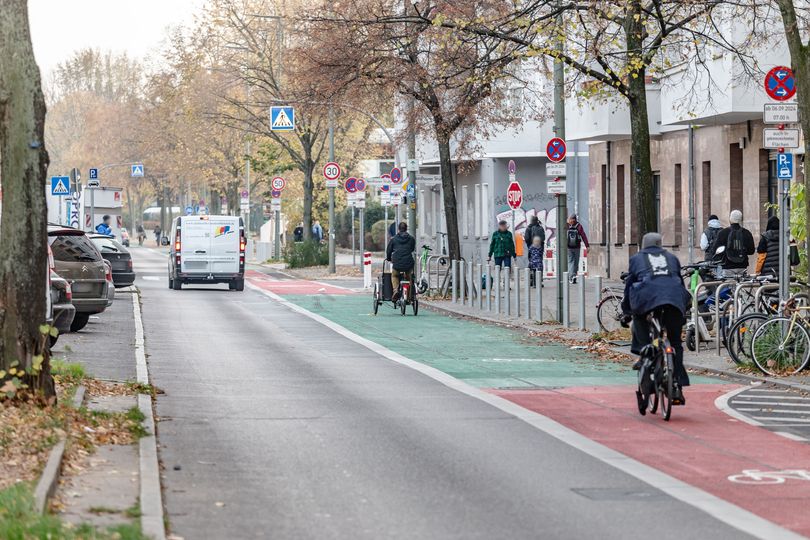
(63, 308)
(78, 260)
(124, 236)
(207, 249)
(118, 256)
(110, 284)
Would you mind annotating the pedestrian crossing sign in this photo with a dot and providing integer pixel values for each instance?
(282, 118)
(59, 186)
(136, 170)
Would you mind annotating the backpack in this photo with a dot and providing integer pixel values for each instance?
(711, 235)
(735, 246)
(573, 237)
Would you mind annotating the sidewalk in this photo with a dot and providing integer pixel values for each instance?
(704, 360)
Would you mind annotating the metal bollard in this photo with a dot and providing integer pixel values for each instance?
(597, 281)
(517, 291)
(479, 269)
(538, 308)
(471, 285)
(489, 282)
(507, 293)
(582, 325)
(527, 311)
(461, 288)
(498, 289)
(454, 279)
(566, 319)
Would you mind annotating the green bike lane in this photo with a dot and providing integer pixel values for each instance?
(595, 397)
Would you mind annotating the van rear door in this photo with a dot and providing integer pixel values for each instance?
(195, 245)
(225, 239)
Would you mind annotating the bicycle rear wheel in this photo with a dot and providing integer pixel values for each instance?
(738, 341)
(781, 347)
(609, 313)
(666, 387)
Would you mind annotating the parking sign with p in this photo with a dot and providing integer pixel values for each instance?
(784, 166)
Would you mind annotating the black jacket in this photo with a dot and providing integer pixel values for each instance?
(722, 240)
(400, 251)
(769, 244)
(533, 230)
(654, 280)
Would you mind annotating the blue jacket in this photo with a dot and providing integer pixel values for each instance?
(535, 257)
(103, 228)
(654, 280)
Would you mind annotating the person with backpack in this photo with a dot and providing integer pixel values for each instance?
(535, 260)
(713, 228)
(575, 237)
(737, 243)
(768, 250)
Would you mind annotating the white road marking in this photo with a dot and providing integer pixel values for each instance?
(783, 419)
(771, 403)
(716, 507)
(795, 398)
(150, 278)
(722, 404)
(791, 436)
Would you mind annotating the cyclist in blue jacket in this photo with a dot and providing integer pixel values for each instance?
(654, 282)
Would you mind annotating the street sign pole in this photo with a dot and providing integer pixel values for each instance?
(784, 173)
(92, 207)
(562, 203)
(277, 230)
(354, 253)
(362, 235)
(331, 194)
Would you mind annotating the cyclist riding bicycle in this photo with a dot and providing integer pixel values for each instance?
(654, 283)
(400, 254)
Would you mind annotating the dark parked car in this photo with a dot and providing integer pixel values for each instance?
(63, 308)
(78, 260)
(119, 258)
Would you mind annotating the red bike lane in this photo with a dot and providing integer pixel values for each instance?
(701, 445)
(293, 286)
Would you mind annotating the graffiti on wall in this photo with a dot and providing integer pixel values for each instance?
(547, 216)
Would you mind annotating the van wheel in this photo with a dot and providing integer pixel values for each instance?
(171, 283)
(232, 285)
(240, 284)
(177, 284)
(79, 321)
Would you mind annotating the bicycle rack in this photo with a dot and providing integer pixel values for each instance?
(717, 292)
(736, 297)
(763, 289)
(695, 314)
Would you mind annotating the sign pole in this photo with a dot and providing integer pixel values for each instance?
(331, 194)
(362, 231)
(784, 167)
(92, 208)
(277, 231)
(562, 203)
(354, 253)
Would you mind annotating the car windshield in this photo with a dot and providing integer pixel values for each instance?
(107, 245)
(71, 248)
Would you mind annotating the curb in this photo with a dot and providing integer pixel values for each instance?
(791, 385)
(48, 480)
(150, 497)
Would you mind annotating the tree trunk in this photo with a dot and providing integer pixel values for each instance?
(640, 167)
(449, 195)
(23, 229)
(309, 167)
(800, 60)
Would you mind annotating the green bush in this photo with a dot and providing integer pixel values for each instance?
(307, 253)
(378, 234)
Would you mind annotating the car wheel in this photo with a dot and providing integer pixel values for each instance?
(177, 284)
(79, 321)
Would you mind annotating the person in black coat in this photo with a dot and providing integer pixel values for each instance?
(768, 248)
(737, 241)
(399, 253)
(654, 282)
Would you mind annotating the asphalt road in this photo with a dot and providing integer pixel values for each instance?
(274, 426)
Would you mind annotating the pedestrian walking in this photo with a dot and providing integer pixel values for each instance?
(502, 246)
(298, 233)
(156, 231)
(535, 229)
(535, 260)
(768, 250)
(737, 244)
(713, 228)
(575, 237)
(317, 231)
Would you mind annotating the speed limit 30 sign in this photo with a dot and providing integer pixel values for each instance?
(331, 172)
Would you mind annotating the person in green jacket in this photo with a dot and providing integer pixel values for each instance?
(502, 246)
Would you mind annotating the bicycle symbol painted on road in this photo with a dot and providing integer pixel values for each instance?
(754, 477)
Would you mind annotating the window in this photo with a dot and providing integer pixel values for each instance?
(477, 219)
(620, 228)
(604, 205)
(73, 247)
(485, 211)
(735, 176)
(657, 197)
(707, 190)
(678, 229)
(465, 222)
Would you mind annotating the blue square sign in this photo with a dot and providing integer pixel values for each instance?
(784, 166)
(282, 118)
(60, 186)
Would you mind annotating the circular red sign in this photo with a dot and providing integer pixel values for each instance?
(331, 171)
(351, 184)
(360, 185)
(514, 195)
(780, 84)
(555, 149)
(278, 183)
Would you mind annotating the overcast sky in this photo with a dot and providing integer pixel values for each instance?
(60, 27)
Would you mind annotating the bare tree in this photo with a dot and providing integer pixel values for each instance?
(24, 353)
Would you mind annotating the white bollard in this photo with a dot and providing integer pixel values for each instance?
(507, 293)
(527, 310)
(538, 308)
(582, 325)
(453, 279)
(461, 288)
(470, 284)
(366, 269)
(478, 270)
(498, 289)
(566, 319)
(517, 291)
(489, 281)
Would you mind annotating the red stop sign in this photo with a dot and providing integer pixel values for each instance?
(514, 195)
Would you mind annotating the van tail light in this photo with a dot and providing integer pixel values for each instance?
(177, 247)
(242, 248)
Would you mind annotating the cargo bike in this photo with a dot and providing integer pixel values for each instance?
(384, 292)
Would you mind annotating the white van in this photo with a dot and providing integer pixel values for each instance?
(207, 249)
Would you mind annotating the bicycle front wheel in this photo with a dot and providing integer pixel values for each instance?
(738, 340)
(609, 313)
(667, 385)
(781, 346)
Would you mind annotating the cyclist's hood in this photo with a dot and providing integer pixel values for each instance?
(715, 224)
